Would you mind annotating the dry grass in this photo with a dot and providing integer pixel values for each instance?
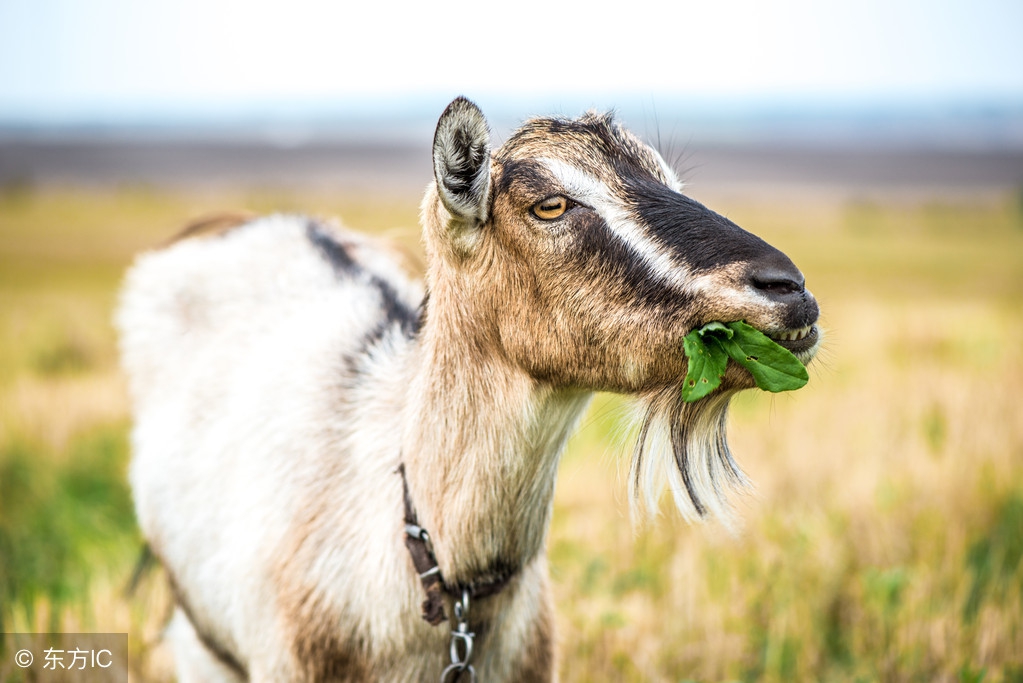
(884, 540)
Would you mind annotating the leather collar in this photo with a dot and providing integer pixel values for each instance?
(417, 540)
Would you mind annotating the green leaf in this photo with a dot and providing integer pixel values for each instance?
(715, 329)
(707, 363)
(773, 367)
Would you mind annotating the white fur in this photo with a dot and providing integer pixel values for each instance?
(200, 335)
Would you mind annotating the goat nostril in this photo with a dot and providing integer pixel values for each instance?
(778, 282)
(778, 286)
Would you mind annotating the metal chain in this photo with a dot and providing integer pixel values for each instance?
(461, 644)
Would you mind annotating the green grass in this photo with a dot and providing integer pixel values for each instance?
(883, 542)
(63, 518)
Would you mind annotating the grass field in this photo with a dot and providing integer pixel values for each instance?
(883, 540)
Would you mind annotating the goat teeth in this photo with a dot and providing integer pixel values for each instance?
(794, 335)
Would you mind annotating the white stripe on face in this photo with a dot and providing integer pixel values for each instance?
(587, 189)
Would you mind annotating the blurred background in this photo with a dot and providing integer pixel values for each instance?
(878, 143)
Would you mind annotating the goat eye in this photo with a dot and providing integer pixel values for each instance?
(551, 208)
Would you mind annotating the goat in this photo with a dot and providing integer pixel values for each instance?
(303, 409)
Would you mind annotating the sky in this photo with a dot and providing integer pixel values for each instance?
(65, 60)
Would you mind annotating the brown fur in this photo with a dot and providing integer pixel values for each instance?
(606, 150)
(325, 653)
(522, 300)
(320, 649)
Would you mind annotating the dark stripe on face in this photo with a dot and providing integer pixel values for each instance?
(529, 176)
(693, 233)
(603, 254)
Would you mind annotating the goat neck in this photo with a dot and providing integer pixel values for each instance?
(481, 447)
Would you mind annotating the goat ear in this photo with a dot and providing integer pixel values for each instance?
(461, 162)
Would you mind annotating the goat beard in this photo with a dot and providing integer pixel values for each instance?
(684, 446)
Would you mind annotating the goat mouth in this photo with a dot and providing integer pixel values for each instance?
(801, 341)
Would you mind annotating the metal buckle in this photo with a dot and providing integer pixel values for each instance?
(461, 643)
